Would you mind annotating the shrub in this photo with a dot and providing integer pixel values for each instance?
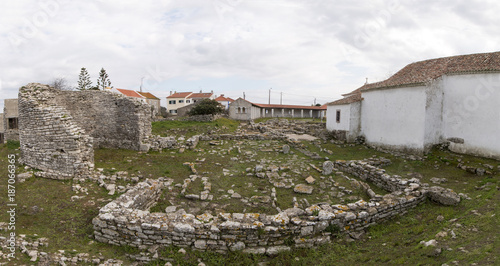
(207, 107)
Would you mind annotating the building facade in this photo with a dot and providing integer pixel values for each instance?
(242, 109)
(452, 99)
(177, 100)
(11, 119)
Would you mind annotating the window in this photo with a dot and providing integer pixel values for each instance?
(244, 110)
(1, 138)
(171, 102)
(13, 123)
(239, 110)
(181, 101)
(188, 101)
(173, 111)
(337, 118)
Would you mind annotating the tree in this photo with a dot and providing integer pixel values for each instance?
(84, 82)
(207, 107)
(103, 80)
(60, 84)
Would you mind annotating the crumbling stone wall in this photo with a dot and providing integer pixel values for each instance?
(112, 120)
(59, 129)
(127, 220)
(50, 140)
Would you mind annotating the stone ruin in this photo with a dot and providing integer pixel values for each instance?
(128, 221)
(60, 129)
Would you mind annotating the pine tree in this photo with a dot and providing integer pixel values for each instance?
(84, 82)
(103, 80)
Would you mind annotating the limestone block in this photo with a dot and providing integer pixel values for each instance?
(443, 195)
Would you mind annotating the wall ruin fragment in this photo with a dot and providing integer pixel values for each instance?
(60, 129)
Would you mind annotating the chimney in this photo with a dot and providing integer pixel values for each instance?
(200, 91)
(222, 95)
(170, 92)
(212, 91)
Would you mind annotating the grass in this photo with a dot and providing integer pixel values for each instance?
(190, 128)
(67, 224)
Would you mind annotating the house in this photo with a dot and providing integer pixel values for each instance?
(451, 99)
(143, 96)
(180, 99)
(242, 109)
(10, 119)
(2, 136)
(151, 100)
(225, 101)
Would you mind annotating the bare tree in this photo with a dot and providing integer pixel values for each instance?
(60, 84)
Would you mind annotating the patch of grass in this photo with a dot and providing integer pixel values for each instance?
(191, 128)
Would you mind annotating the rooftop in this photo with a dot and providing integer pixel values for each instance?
(180, 95)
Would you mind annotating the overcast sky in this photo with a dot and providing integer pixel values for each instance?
(306, 49)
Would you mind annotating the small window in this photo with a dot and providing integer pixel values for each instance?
(13, 123)
(239, 110)
(338, 116)
(171, 102)
(181, 101)
(188, 101)
(173, 111)
(244, 110)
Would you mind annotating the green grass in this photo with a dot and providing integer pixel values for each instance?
(68, 226)
(191, 128)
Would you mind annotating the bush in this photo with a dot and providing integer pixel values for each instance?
(207, 107)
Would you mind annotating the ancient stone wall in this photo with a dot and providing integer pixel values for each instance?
(121, 222)
(50, 140)
(59, 129)
(112, 120)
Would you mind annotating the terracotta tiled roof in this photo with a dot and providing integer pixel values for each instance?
(130, 93)
(148, 95)
(180, 95)
(419, 72)
(224, 99)
(347, 100)
(277, 106)
(201, 95)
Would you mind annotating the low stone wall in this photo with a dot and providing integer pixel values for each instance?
(202, 118)
(125, 222)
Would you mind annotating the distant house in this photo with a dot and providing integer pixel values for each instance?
(10, 119)
(177, 100)
(242, 109)
(225, 101)
(452, 99)
(143, 96)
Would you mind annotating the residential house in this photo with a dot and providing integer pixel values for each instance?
(11, 119)
(143, 96)
(180, 99)
(225, 101)
(242, 109)
(451, 99)
(2, 129)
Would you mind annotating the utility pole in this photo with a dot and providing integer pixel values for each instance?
(281, 98)
(270, 95)
(243, 95)
(314, 101)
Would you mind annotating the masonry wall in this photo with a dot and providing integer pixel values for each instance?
(60, 129)
(249, 114)
(127, 221)
(50, 140)
(471, 115)
(114, 121)
(395, 118)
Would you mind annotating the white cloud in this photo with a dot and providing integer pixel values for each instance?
(306, 49)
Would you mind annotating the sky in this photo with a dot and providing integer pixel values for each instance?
(294, 51)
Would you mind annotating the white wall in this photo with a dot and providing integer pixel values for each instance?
(394, 118)
(472, 113)
(433, 114)
(345, 115)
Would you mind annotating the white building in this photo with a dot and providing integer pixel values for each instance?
(225, 101)
(181, 99)
(452, 99)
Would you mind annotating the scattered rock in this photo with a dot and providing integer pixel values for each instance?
(310, 180)
(443, 196)
(304, 189)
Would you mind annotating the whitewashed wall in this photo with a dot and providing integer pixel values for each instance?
(331, 114)
(394, 118)
(471, 111)
(433, 114)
